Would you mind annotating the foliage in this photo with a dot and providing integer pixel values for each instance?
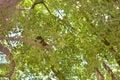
(77, 31)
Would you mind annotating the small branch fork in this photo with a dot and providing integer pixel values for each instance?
(41, 2)
(9, 55)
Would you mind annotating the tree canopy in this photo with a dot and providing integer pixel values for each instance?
(60, 39)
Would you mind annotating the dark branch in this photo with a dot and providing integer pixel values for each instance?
(42, 2)
(99, 75)
(113, 76)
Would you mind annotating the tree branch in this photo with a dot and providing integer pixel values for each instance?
(9, 55)
(19, 39)
(42, 2)
(113, 76)
(99, 75)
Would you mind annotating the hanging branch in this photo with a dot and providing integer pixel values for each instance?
(9, 55)
(107, 68)
(99, 75)
(19, 39)
(40, 2)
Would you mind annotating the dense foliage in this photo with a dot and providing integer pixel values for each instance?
(82, 35)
